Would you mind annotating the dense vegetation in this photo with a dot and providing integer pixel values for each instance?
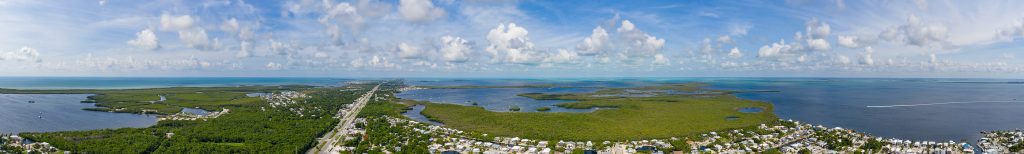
(251, 126)
(148, 100)
(631, 118)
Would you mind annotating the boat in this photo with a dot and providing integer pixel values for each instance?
(31, 101)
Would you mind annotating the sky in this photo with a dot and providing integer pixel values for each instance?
(512, 38)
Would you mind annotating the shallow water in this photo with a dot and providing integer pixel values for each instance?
(195, 111)
(60, 112)
(415, 115)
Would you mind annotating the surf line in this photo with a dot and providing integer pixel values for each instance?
(944, 103)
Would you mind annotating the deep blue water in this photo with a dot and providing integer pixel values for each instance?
(60, 112)
(152, 82)
(917, 109)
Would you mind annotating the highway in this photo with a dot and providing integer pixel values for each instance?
(326, 144)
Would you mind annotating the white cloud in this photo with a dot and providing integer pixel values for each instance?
(230, 26)
(196, 38)
(406, 51)
(841, 59)
(597, 43)
(455, 49)
(145, 39)
(917, 33)
(373, 8)
(848, 41)
(23, 54)
(244, 51)
(932, 59)
(510, 44)
(419, 11)
(725, 39)
(563, 56)
(735, 53)
(639, 43)
(818, 45)
(775, 49)
(274, 66)
(866, 58)
(817, 30)
(344, 13)
(739, 29)
(660, 59)
(321, 55)
(176, 23)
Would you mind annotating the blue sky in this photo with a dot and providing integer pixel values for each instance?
(508, 38)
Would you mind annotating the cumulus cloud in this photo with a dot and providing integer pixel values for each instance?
(510, 44)
(841, 59)
(639, 43)
(776, 49)
(848, 41)
(817, 29)
(563, 56)
(813, 38)
(175, 23)
(660, 59)
(196, 38)
(24, 54)
(245, 49)
(735, 53)
(274, 66)
(597, 43)
(917, 33)
(406, 51)
(145, 39)
(866, 58)
(818, 45)
(419, 11)
(455, 49)
(343, 13)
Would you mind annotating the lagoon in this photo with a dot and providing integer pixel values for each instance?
(60, 112)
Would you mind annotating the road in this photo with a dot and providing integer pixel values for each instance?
(326, 144)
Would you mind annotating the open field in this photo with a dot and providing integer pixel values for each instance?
(627, 118)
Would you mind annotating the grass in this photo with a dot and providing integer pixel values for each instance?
(630, 118)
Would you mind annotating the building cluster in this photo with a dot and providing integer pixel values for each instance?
(408, 88)
(794, 137)
(283, 98)
(1006, 141)
(190, 116)
(16, 144)
(787, 136)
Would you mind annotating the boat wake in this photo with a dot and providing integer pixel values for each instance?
(944, 103)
